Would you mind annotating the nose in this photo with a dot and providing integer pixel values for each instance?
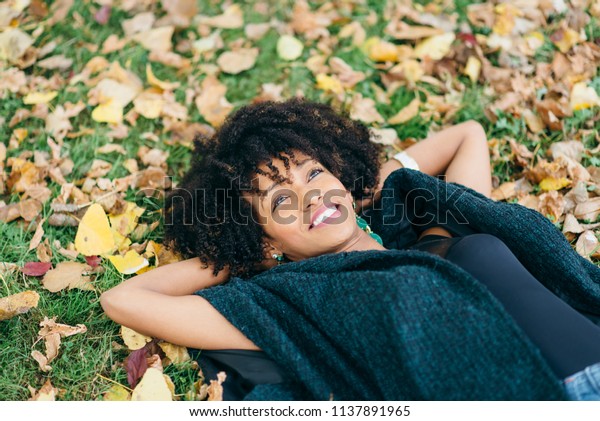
(312, 198)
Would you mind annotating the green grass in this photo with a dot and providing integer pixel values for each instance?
(89, 364)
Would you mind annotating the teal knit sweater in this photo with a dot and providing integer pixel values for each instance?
(408, 325)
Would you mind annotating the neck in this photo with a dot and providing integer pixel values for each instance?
(361, 242)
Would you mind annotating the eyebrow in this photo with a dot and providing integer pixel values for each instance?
(300, 165)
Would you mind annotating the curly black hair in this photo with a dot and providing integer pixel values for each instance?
(204, 215)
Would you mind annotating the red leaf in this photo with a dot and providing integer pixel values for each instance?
(102, 15)
(36, 268)
(93, 261)
(468, 39)
(135, 366)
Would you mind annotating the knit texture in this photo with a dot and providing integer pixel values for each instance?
(407, 325)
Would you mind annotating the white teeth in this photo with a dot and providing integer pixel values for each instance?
(323, 216)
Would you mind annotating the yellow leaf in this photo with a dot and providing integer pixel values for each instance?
(18, 304)
(583, 96)
(110, 111)
(128, 264)
(473, 68)
(329, 83)
(122, 243)
(435, 47)
(154, 81)
(20, 134)
(289, 48)
(133, 339)
(117, 393)
(152, 387)
(94, 236)
(406, 113)
(565, 39)
(176, 353)
(379, 50)
(39, 97)
(551, 183)
(126, 222)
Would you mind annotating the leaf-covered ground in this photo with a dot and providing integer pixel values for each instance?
(100, 101)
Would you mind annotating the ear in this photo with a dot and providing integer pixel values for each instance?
(270, 247)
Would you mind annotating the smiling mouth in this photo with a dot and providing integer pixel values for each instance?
(324, 216)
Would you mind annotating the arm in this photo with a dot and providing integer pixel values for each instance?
(159, 303)
(459, 152)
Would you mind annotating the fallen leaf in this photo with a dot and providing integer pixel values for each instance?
(46, 393)
(103, 14)
(380, 50)
(39, 97)
(473, 68)
(55, 62)
(329, 83)
(587, 244)
(406, 113)
(435, 47)
(152, 387)
(51, 332)
(589, 210)
(231, 18)
(67, 275)
(551, 183)
(133, 339)
(135, 366)
(235, 62)
(13, 44)
(36, 268)
(154, 81)
(116, 393)
(176, 353)
(156, 39)
(37, 235)
(18, 304)
(289, 48)
(212, 103)
(94, 236)
(215, 389)
(128, 264)
(583, 96)
(110, 111)
(364, 109)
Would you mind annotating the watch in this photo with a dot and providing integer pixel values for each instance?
(406, 160)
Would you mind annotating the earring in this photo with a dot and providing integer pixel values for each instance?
(362, 224)
(278, 257)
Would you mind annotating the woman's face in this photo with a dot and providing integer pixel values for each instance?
(309, 217)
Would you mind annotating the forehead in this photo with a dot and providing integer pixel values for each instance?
(265, 181)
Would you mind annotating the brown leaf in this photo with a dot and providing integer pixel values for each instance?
(18, 304)
(588, 210)
(234, 62)
(211, 102)
(67, 275)
(46, 393)
(51, 332)
(37, 236)
(406, 113)
(215, 389)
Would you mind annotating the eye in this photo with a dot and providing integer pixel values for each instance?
(314, 172)
(278, 201)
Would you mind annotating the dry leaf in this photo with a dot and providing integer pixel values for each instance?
(116, 393)
(130, 263)
(230, 19)
(215, 389)
(46, 393)
(363, 109)
(435, 47)
(39, 97)
(94, 235)
(406, 113)
(587, 244)
(234, 62)
(176, 353)
(18, 304)
(13, 44)
(157, 39)
(68, 275)
(133, 339)
(329, 83)
(211, 102)
(51, 332)
(37, 236)
(152, 387)
(583, 96)
(289, 48)
(110, 111)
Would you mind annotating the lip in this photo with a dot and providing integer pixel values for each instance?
(320, 211)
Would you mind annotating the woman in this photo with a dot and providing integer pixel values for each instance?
(277, 184)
